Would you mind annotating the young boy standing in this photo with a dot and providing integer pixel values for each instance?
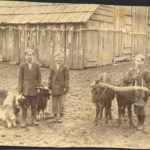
(29, 78)
(139, 76)
(58, 83)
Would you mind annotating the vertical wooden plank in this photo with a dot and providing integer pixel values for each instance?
(1, 42)
(22, 43)
(80, 49)
(69, 45)
(75, 52)
(48, 47)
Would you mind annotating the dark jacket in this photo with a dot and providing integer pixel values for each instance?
(135, 78)
(58, 81)
(28, 79)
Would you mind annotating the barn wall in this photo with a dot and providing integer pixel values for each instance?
(112, 33)
(9, 45)
(148, 34)
(130, 31)
(118, 32)
(123, 33)
(44, 40)
(99, 37)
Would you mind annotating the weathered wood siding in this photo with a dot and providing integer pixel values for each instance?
(140, 26)
(123, 28)
(111, 34)
(148, 34)
(99, 37)
(44, 40)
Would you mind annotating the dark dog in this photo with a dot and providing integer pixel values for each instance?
(102, 97)
(42, 99)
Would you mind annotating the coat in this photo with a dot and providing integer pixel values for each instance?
(134, 78)
(58, 81)
(141, 78)
(29, 80)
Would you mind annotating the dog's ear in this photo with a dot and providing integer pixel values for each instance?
(97, 82)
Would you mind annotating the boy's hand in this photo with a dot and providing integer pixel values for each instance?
(66, 90)
(20, 93)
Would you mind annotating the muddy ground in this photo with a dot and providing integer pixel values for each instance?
(78, 128)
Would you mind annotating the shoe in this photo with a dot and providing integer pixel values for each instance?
(60, 120)
(141, 127)
(28, 123)
(55, 119)
(35, 123)
(23, 124)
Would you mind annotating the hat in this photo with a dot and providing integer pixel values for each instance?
(60, 54)
(29, 51)
(140, 57)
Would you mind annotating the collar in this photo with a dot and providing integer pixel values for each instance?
(30, 62)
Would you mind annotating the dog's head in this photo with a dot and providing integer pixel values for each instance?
(104, 77)
(44, 91)
(18, 100)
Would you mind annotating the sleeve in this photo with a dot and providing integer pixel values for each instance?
(67, 77)
(128, 79)
(39, 77)
(50, 78)
(20, 78)
(147, 78)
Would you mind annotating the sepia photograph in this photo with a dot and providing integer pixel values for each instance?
(74, 75)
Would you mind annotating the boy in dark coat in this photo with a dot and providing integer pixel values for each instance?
(139, 76)
(29, 78)
(58, 83)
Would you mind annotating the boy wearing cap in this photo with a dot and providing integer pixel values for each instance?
(139, 76)
(29, 77)
(58, 83)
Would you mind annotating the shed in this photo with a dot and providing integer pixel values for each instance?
(89, 35)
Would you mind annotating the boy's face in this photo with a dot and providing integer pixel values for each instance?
(58, 60)
(29, 57)
(139, 63)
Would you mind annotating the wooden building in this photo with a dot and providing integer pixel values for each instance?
(87, 34)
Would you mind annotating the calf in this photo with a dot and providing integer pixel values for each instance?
(102, 97)
(126, 96)
(105, 78)
(42, 98)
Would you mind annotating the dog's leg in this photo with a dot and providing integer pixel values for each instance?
(106, 115)
(101, 112)
(8, 124)
(97, 114)
(120, 114)
(44, 114)
(130, 116)
(38, 116)
(14, 123)
(109, 112)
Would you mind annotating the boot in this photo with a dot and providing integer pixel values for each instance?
(141, 122)
(34, 122)
(33, 118)
(24, 118)
(55, 118)
(60, 120)
(23, 124)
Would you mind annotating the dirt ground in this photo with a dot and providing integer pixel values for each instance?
(78, 128)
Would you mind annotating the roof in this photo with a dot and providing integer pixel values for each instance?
(15, 12)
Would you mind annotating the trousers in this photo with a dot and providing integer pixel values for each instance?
(29, 101)
(58, 104)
